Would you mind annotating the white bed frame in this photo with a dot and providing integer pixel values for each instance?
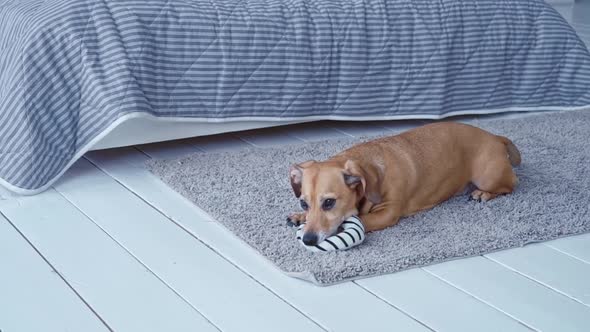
(149, 130)
(139, 128)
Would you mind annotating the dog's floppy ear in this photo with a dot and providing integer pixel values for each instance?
(367, 176)
(296, 174)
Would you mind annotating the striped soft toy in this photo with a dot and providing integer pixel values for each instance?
(352, 234)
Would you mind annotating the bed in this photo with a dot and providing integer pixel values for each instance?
(74, 71)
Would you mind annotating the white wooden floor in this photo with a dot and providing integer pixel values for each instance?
(110, 247)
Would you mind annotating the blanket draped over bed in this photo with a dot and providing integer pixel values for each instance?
(69, 69)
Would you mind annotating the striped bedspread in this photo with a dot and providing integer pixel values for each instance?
(70, 69)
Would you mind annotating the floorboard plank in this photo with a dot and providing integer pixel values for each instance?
(313, 132)
(269, 137)
(575, 246)
(359, 129)
(523, 299)
(566, 274)
(218, 143)
(169, 149)
(437, 304)
(33, 296)
(220, 291)
(328, 306)
(123, 292)
(126, 165)
(398, 126)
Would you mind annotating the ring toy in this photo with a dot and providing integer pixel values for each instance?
(352, 234)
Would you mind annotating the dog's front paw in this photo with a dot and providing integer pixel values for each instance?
(295, 219)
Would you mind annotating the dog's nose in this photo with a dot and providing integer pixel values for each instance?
(310, 239)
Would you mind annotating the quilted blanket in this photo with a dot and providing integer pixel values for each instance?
(72, 69)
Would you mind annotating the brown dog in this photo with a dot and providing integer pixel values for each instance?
(392, 177)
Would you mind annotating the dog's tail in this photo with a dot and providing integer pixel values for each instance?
(513, 153)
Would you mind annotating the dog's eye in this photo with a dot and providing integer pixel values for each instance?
(304, 205)
(328, 204)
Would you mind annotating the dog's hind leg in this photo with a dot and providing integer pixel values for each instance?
(493, 179)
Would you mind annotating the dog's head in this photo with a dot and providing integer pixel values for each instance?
(330, 192)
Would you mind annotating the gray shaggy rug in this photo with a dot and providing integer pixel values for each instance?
(249, 193)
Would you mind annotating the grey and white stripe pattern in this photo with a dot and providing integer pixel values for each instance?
(69, 69)
(352, 234)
